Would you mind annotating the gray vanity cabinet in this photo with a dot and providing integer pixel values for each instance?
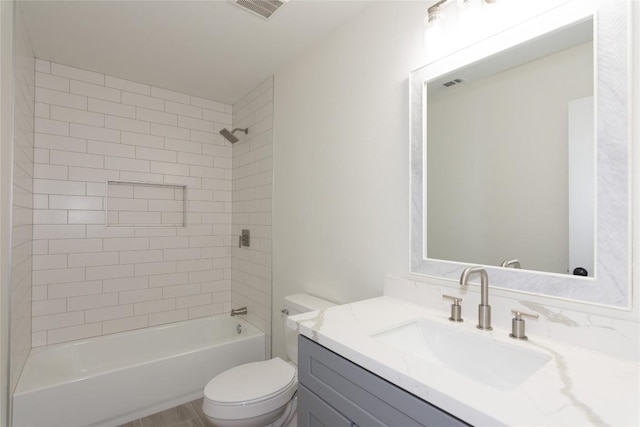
(335, 392)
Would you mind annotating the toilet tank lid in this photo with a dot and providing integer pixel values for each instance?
(304, 302)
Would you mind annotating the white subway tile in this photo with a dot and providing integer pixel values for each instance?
(50, 171)
(76, 116)
(195, 265)
(208, 104)
(217, 150)
(58, 231)
(155, 154)
(75, 159)
(195, 124)
(128, 297)
(44, 80)
(120, 190)
(169, 168)
(170, 95)
(168, 242)
(125, 324)
(155, 232)
(193, 300)
(91, 301)
(62, 275)
(162, 280)
(39, 339)
(54, 127)
(168, 317)
(166, 206)
(126, 284)
(121, 204)
(125, 164)
(110, 149)
(183, 109)
(64, 290)
(156, 116)
(86, 217)
(169, 131)
(43, 66)
(181, 254)
(195, 159)
(126, 244)
(111, 108)
(65, 246)
(127, 85)
(153, 268)
(205, 172)
(44, 217)
(53, 321)
(207, 137)
(139, 100)
(45, 262)
(138, 218)
(205, 276)
(96, 188)
(41, 155)
(57, 142)
(93, 259)
(182, 145)
(154, 306)
(96, 175)
(100, 231)
(142, 140)
(148, 192)
(217, 116)
(189, 182)
(222, 162)
(215, 286)
(109, 272)
(125, 124)
(40, 247)
(77, 73)
(195, 230)
(49, 186)
(54, 97)
(55, 336)
(95, 91)
(181, 290)
(150, 178)
(134, 257)
(108, 313)
(207, 310)
(75, 202)
(95, 133)
(41, 110)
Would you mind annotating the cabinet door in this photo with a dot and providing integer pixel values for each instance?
(314, 412)
(361, 396)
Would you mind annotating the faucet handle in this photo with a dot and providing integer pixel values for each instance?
(456, 308)
(517, 324)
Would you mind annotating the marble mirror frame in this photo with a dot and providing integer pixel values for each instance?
(611, 284)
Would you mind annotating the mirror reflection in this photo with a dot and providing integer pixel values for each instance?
(518, 128)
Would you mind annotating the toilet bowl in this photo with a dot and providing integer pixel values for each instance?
(261, 393)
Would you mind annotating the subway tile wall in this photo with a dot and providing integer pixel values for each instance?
(252, 182)
(90, 279)
(22, 209)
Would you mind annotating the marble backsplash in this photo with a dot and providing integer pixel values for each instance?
(559, 320)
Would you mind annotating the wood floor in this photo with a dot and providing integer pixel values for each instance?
(187, 415)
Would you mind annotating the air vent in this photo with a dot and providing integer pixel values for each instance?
(262, 8)
(452, 82)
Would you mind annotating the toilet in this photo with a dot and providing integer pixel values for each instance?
(261, 393)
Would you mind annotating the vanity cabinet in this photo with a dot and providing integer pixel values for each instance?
(335, 392)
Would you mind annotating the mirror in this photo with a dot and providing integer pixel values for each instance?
(507, 162)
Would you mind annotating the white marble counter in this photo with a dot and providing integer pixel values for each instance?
(577, 387)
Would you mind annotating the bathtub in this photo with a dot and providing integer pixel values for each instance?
(113, 379)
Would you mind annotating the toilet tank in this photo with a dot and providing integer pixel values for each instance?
(296, 304)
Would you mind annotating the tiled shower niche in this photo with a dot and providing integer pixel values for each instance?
(139, 204)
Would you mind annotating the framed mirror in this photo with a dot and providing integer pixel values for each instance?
(520, 157)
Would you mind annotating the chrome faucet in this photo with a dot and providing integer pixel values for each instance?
(484, 309)
(511, 263)
(238, 311)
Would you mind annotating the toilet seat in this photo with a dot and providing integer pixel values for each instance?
(272, 383)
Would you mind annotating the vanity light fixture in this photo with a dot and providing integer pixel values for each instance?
(433, 13)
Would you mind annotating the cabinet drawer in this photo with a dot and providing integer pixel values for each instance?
(314, 412)
(362, 396)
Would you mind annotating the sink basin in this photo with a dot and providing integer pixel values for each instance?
(477, 357)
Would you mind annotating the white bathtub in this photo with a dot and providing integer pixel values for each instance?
(113, 379)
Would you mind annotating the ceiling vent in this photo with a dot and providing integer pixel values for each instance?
(262, 8)
(452, 82)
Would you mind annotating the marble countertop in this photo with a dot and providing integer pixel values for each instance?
(577, 387)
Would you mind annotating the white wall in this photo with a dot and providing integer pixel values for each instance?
(252, 188)
(497, 174)
(6, 125)
(341, 159)
(92, 280)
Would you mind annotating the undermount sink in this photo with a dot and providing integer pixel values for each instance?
(480, 358)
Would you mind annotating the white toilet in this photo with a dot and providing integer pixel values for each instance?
(262, 393)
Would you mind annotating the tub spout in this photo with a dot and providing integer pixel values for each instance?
(238, 311)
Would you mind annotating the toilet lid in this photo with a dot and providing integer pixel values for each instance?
(250, 382)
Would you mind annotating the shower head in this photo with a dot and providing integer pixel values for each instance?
(228, 135)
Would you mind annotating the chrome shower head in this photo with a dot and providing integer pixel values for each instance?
(228, 135)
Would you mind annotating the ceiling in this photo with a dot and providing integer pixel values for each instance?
(212, 49)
